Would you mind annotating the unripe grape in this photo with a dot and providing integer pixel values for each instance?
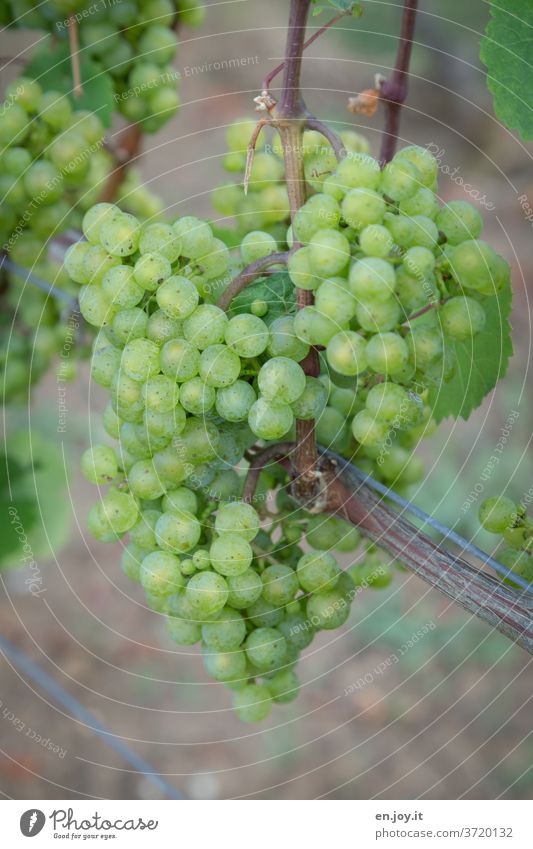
(99, 464)
(462, 317)
(497, 514)
(372, 279)
(346, 353)
(253, 703)
(362, 207)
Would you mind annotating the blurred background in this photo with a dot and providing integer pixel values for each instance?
(382, 713)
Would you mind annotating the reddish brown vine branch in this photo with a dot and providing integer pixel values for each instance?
(393, 92)
(268, 79)
(248, 275)
(313, 123)
(127, 150)
(75, 55)
(274, 453)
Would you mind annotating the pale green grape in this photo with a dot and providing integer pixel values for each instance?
(219, 366)
(346, 353)
(233, 402)
(372, 279)
(462, 317)
(179, 360)
(99, 464)
(177, 531)
(387, 353)
(270, 419)
(283, 340)
(140, 359)
(328, 610)
(311, 402)
(205, 326)
(280, 584)
(177, 297)
(265, 648)
(237, 518)
(207, 593)
(317, 571)
(196, 396)
(281, 379)
(253, 703)
(226, 632)
(231, 554)
(160, 574)
(246, 335)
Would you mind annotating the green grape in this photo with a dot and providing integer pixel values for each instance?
(160, 239)
(177, 531)
(160, 574)
(459, 221)
(319, 212)
(389, 402)
(372, 279)
(169, 467)
(25, 91)
(99, 464)
(329, 252)
(111, 421)
(310, 404)
(419, 262)
(475, 266)
(164, 424)
(301, 271)
(160, 328)
(284, 686)
(230, 554)
(325, 532)
(377, 317)
(120, 288)
(44, 182)
(270, 419)
(362, 207)
(233, 403)
(94, 306)
(198, 442)
(328, 610)
(257, 245)
(498, 514)
(334, 300)
(283, 340)
(387, 353)
(423, 202)
(297, 630)
(237, 518)
(181, 500)
(158, 43)
(142, 534)
(177, 297)
(140, 359)
(207, 593)
(280, 584)
(252, 703)
(331, 429)
(425, 232)
(160, 394)
(314, 328)
(265, 648)
(120, 234)
(144, 480)
(317, 571)
(262, 614)
(376, 240)
(120, 510)
(244, 589)
(246, 335)
(425, 163)
(179, 360)
(205, 326)
(400, 179)
(226, 632)
(346, 353)
(129, 324)
(196, 396)
(75, 262)
(130, 561)
(219, 366)
(368, 430)
(183, 632)
(196, 236)
(425, 347)
(358, 170)
(281, 379)
(150, 270)
(96, 263)
(462, 317)
(374, 571)
(95, 218)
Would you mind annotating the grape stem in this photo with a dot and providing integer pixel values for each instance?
(273, 453)
(249, 274)
(127, 150)
(75, 55)
(313, 123)
(393, 92)
(277, 70)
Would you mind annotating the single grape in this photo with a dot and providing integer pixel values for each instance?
(226, 632)
(233, 402)
(265, 648)
(346, 353)
(317, 571)
(253, 703)
(280, 584)
(372, 279)
(179, 360)
(387, 353)
(219, 366)
(270, 419)
(231, 554)
(196, 396)
(328, 610)
(177, 297)
(237, 518)
(462, 317)
(312, 401)
(498, 514)
(207, 593)
(284, 686)
(205, 326)
(99, 464)
(246, 335)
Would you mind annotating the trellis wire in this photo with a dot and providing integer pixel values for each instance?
(39, 676)
(448, 533)
(35, 280)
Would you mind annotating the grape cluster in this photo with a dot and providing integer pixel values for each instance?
(51, 165)
(266, 206)
(500, 515)
(190, 391)
(134, 41)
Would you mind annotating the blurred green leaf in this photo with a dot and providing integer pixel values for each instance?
(507, 50)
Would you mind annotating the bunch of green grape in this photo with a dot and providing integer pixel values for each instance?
(266, 206)
(52, 164)
(190, 391)
(132, 40)
(500, 515)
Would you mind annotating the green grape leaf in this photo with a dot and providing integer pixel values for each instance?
(355, 9)
(480, 362)
(51, 67)
(38, 495)
(18, 513)
(277, 291)
(506, 50)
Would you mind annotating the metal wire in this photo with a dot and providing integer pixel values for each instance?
(39, 676)
(35, 280)
(448, 533)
